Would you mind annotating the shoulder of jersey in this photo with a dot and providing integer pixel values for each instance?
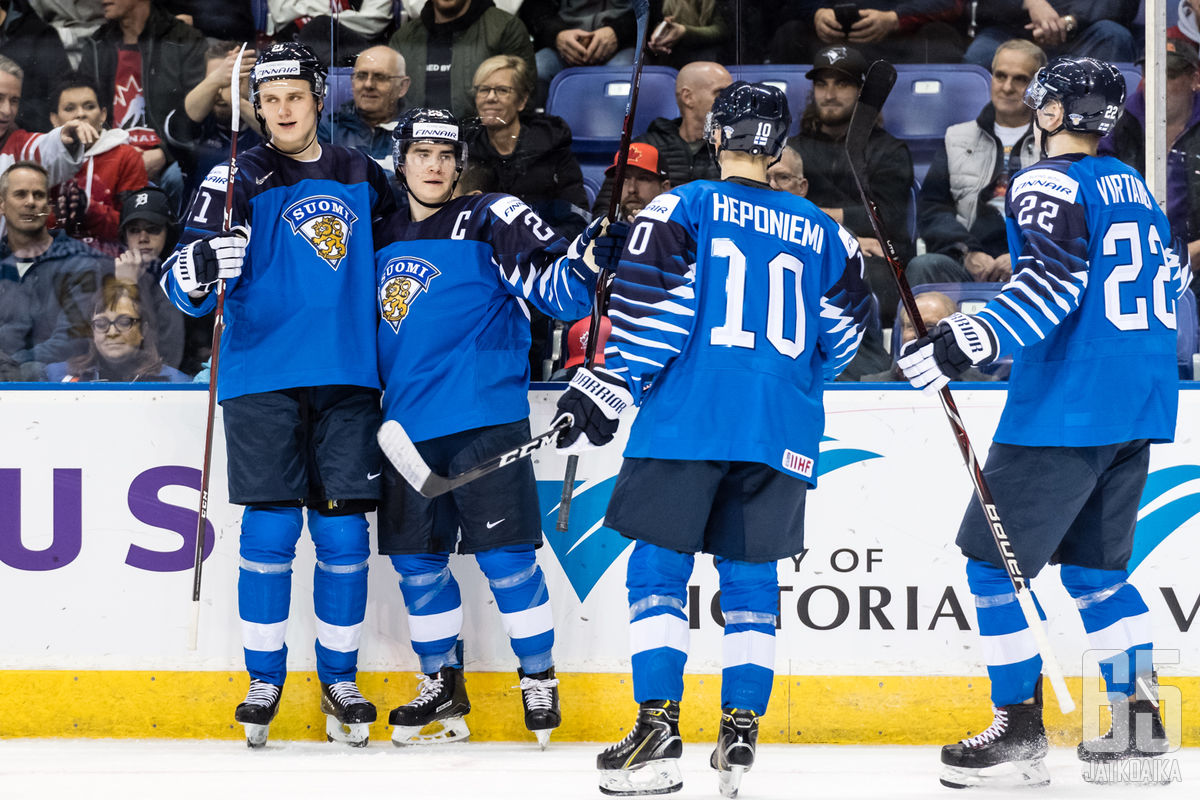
(1049, 177)
(505, 207)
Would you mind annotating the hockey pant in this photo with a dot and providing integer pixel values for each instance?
(1114, 615)
(658, 628)
(267, 548)
(435, 615)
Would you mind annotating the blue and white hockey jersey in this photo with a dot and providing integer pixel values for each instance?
(302, 313)
(454, 326)
(732, 305)
(1090, 311)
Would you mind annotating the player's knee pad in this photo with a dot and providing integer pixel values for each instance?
(269, 536)
(1116, 619)
(426, 581)
(749, 590)
(342, 539)
(656, 579)
(513, 573)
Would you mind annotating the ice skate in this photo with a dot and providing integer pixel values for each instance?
(257, 710)
(539, 695)
(647, 760)
(348, 715)
(1009, 753)
(1136, 733)
(734, 753)
(441, 699)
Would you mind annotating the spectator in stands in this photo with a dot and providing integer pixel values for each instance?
(900, 31)
(36, 47)
(445, 46)
(199, 127)
(72, 20)
(351, 27)
(577, 339)
(16, 327)
(933, 307)
(1128, 143)
(366, 120)
(787, 174)
(837, 75)
(690, 30)
(1185, 26)
(111, 168)
(579, 33)
(961, 204)
(680, 142)
(528, 152)
(1096, 28)
(149, 232)
(144, 61)
(645, 178)
(59, 274)
(216, 19)
(123, 346)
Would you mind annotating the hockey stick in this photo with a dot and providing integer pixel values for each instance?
(402, 453)
(876, 86)
(641, 9)
(218, 326)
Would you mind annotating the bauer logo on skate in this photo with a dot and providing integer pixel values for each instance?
(402, 282)
(325, 223)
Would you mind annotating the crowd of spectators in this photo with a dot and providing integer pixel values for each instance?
(111, 113)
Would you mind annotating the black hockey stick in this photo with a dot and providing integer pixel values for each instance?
(402, 453)
(218, 327)
(641, 9)
(877, 85)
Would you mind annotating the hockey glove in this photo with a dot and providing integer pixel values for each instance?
(205, 261)
(593, 404)
(955, 344)
(599, 247)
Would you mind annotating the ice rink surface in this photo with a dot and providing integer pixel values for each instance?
(226, 770)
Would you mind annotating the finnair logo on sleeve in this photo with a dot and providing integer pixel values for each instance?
(794, 462)
(276, 69)
(509, 208)
(1047, 181)
(660, 208)
(217, 178)
(435, 130)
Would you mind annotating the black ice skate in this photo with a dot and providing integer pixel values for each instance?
(348, 715)
(1009, 753)
(647, 760)
(539, 695)
(257, 710)
(1136, 732)
(734, 753)
(442, 698)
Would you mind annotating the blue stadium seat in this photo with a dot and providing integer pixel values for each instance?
(261, 12)
(337, 89)
(1133, 76)
(1189, 334)
(591, 186)
(592, 100)
(927, 99)
(970, 297)
(787, 77)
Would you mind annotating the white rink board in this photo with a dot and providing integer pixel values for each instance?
(886, 520)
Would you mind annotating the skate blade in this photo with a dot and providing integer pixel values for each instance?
(653, 777)
(1134, 771)
(543, 737)
(356, 734)
(1031, 772)
(453, 729)
(730, 780)
(256, 735)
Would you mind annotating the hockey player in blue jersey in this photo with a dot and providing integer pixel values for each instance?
(455, 279)
(1090, 318)
(731, 307)
(298, 384)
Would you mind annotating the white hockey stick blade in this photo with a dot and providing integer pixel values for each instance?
(400, 450)
(1049, 661)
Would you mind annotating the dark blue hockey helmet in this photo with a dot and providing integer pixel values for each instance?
(752, 117)
(1092, 93)
(428, 125)
(284, 60)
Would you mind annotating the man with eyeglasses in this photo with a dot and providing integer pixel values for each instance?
(365, 122)
(58, 274)
(446, 44)
(149, 230)
(787, 174)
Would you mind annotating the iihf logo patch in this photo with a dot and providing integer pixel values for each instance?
(402, 281)
(325, 223)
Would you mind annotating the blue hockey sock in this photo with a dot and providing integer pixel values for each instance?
(749, 602)
(1009, 649)
(658, 625)
(520, 590)
(1117, 622)
(435, 615)
(267, 547)
(339, 591)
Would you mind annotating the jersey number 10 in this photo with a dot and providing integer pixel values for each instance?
(732, 333)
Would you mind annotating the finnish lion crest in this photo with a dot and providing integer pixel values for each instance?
(325, 223)
(402, 280)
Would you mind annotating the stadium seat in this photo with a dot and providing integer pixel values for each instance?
(1189, 334)
(592, 101)
(970, 297)
(787, 77)
(927, 99)
(1133, 76)
(337, 89)
(591, 186)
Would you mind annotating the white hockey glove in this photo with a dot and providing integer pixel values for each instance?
(205, 261)
(593, 404)
(955, 344)
(599, 247)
